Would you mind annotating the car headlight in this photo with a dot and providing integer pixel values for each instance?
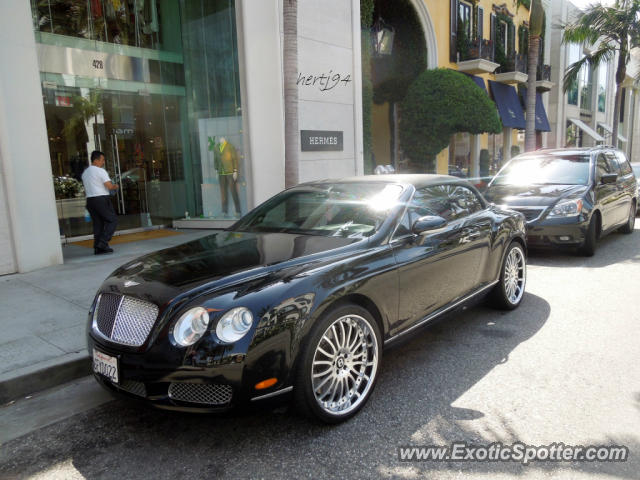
(567, 208)
(191, 326)
(234, 325)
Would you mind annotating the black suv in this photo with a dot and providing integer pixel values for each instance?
(569, 197)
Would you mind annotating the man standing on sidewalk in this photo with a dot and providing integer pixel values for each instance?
(97, 185)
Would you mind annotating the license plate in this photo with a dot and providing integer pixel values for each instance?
(105, 365)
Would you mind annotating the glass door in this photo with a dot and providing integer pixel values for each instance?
(140, 136)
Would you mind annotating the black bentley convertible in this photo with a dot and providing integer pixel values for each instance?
(299, 297)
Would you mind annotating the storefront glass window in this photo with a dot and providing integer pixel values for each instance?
(214, 106)
(153, 84)
(585, 88)
(573, 136)
(572, 92)
(134, 23)
(602, 86)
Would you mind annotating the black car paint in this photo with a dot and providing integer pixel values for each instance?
(610, 200)
(288, 281)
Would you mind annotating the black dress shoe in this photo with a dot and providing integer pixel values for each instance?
(102, 251)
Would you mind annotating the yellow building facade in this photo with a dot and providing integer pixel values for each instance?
(485, 23)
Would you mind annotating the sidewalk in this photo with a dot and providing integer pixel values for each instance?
(43, 315)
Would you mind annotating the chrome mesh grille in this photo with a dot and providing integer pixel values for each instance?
(107, 307)
(134, 321)
(136, 388)
(215, 394)
(125, 320)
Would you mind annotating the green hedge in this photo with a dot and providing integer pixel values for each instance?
(438, 104)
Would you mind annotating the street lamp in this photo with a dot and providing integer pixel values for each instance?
(382, 37)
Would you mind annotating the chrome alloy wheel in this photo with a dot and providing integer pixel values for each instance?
(515, 275)
(344, 365)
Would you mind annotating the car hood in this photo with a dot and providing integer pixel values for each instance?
(218, 260)
(531, 195)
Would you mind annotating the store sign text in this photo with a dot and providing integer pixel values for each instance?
(321, 140)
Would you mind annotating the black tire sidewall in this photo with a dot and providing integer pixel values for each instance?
(303, 389)
(631, 221)
(588, 248)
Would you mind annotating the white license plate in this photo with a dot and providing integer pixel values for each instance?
(105, 365)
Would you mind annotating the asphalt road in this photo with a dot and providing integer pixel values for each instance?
(562, 368)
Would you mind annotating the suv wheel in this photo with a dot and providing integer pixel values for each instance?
(588, 248)
(631, 221)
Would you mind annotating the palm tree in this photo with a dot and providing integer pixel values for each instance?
(615, 30)
(536, 23)
(290, 59)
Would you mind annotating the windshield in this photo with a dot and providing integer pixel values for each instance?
(545, 170)
(345, 210)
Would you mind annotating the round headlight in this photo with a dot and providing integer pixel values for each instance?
(234, 325)
(191, 326)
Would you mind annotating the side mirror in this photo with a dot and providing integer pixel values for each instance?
(609, 178)
(427, 224)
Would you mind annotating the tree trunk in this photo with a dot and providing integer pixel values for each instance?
(530, 127)
(536, 24)
(290, 60)
(621, 73)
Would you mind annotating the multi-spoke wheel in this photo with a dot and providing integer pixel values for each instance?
(339, 364)
(508, 293)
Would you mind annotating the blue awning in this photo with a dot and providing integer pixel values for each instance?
(508, 104)
(479, 81)
(542, 122)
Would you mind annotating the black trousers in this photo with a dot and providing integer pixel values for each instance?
(104, 220)
(227, 183)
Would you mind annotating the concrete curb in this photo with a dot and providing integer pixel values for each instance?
(25, 381)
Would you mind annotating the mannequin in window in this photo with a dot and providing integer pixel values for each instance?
(226, 164)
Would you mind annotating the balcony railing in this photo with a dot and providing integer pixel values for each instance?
(514, 63)
(481, 49)
(544, 73)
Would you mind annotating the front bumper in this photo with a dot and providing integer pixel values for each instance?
(557, 232)
(215, 383)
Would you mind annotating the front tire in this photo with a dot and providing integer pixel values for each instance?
(631, 221)
(508, 293)
(588, 248)
(339, 365)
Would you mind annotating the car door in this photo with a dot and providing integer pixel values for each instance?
(441, 266)
(626, 185)
(607, 195)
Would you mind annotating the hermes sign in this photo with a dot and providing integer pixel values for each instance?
(321, 141)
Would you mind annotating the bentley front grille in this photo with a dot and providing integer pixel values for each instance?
(202, 393)
(125, 320)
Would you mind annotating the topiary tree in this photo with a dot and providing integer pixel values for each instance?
(438, 104)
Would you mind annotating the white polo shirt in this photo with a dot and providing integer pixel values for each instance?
(94, 179)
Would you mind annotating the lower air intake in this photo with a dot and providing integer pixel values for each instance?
(202, 393)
